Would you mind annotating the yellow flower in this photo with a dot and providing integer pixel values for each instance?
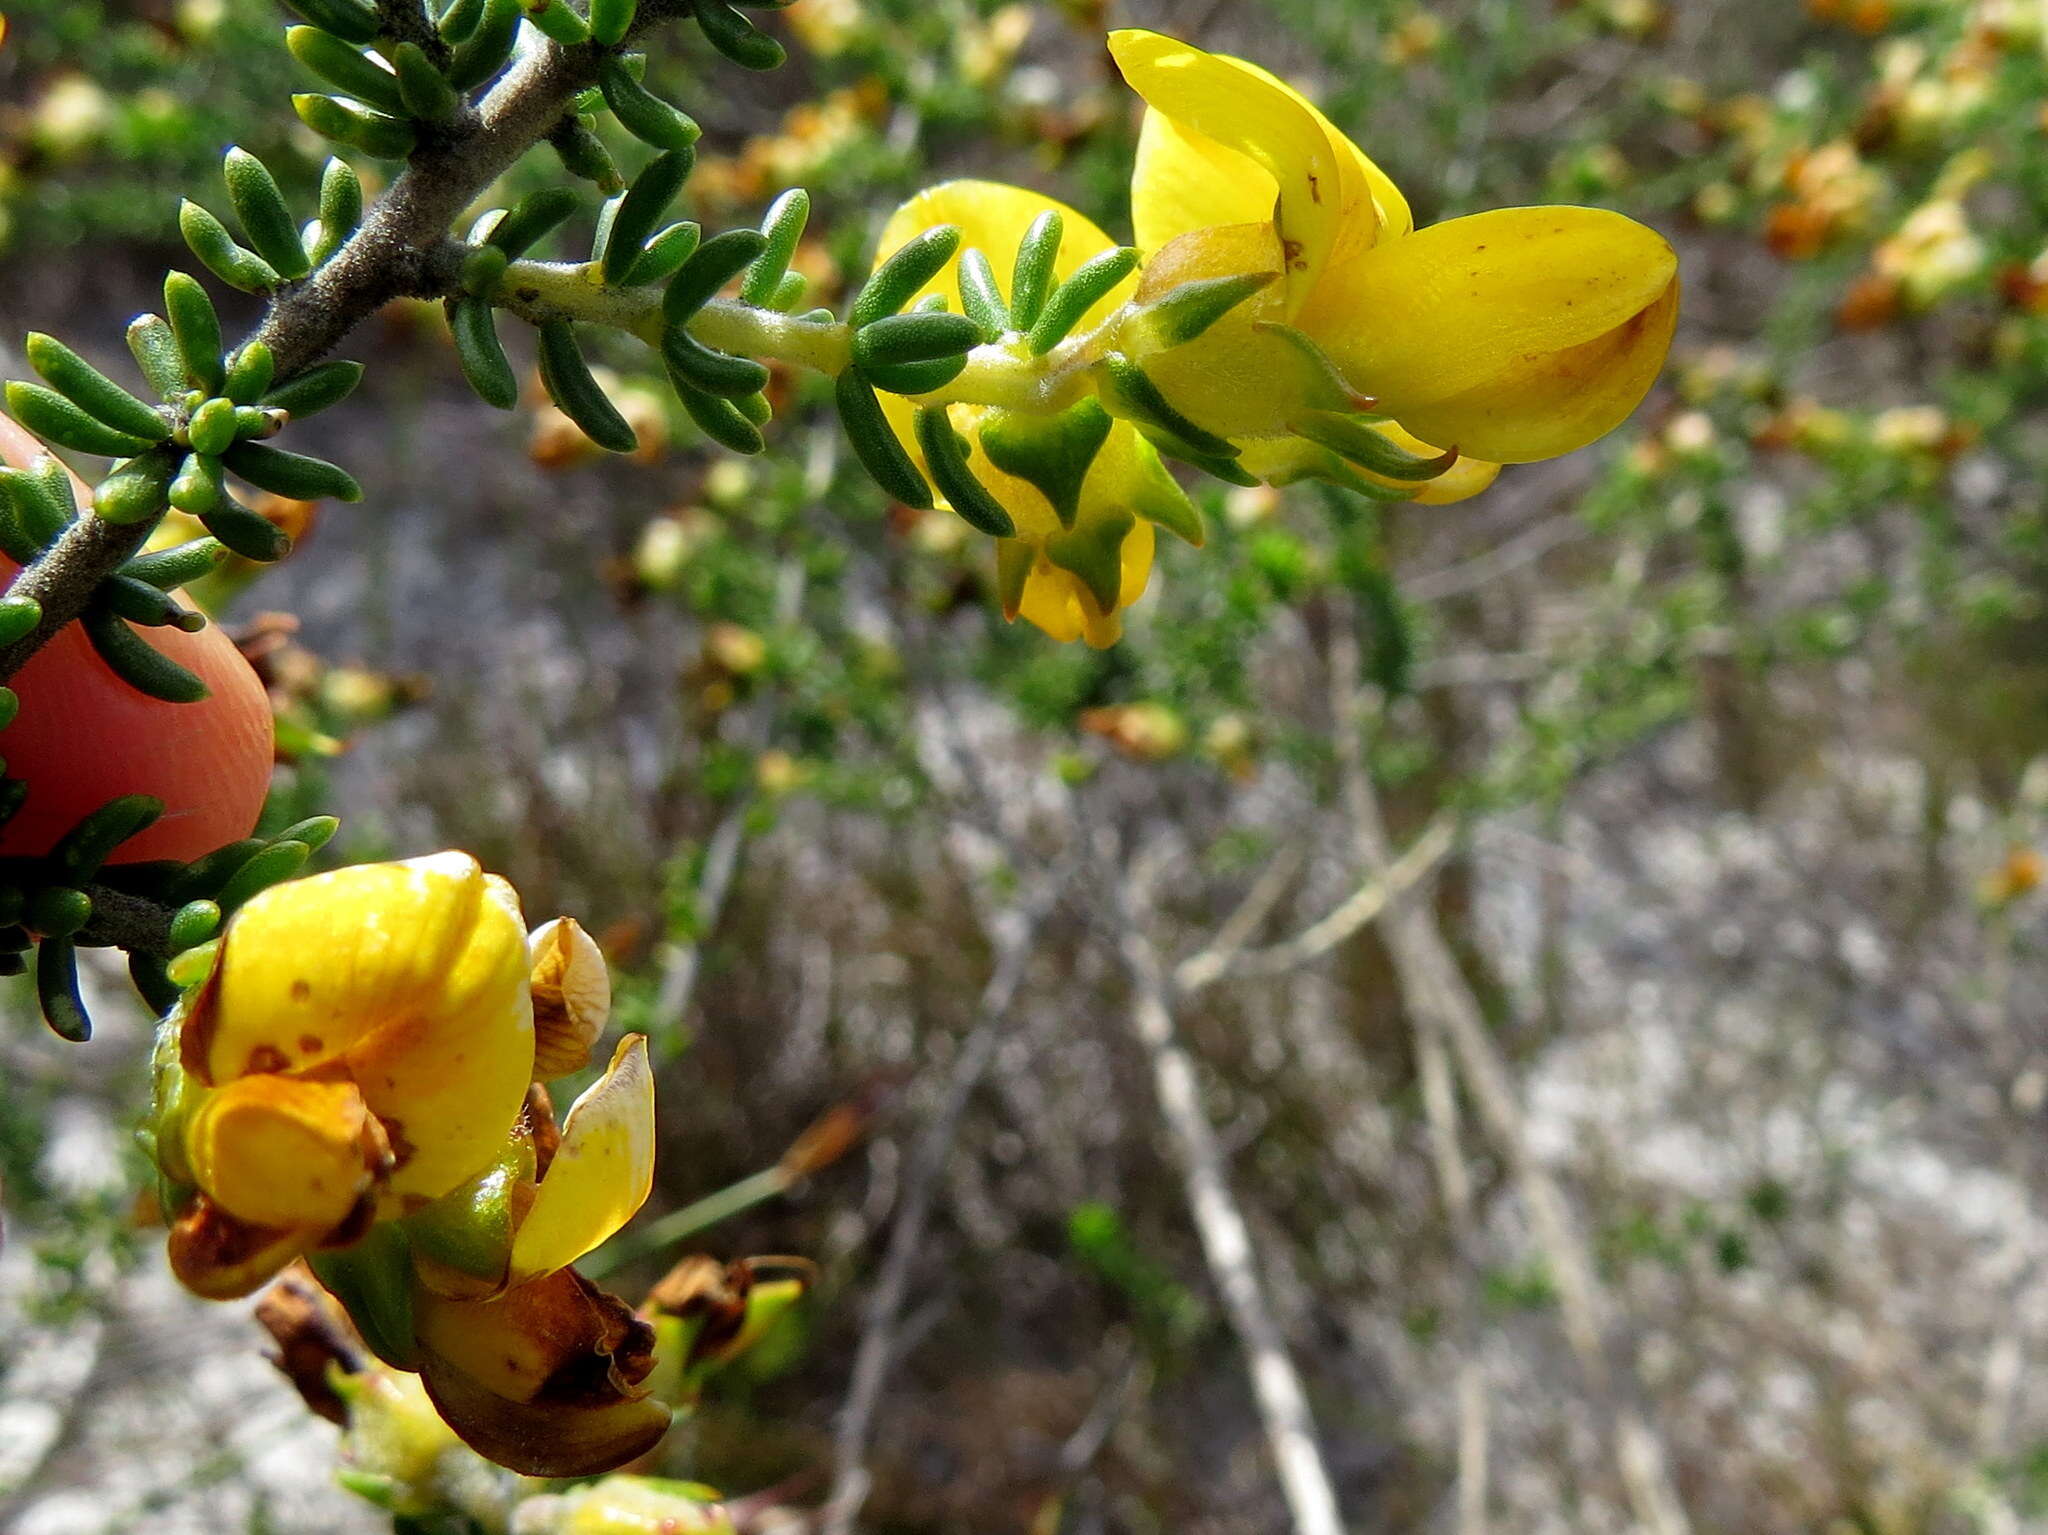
(1073, 576)
(1512, 335)
(406, 983)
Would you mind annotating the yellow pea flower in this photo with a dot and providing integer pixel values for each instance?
(1071, 578)
(360, 1048)
(1512, 335)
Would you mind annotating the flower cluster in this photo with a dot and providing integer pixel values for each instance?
(1288, 321)
(356, 1081)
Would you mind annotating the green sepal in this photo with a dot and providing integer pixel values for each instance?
(373, 1281)
(198, 489)
(57, 990)
(483, 270)
(789, 292)
(537, 213)
(57, 911)
(423, 90)
(1228, 470)
(212, 427)
(345, 67)
(916, 378)
(459, 20)
(312, 391)
(150, 977)
(566, 377)
(221, 255)
(165, 569)
(946, 460)
(558, 21)
(736, 37)
(641, 113)
(487, 49)
(196, 324)
(138, 490)
(1052, 453)
(42, 511)
(1159, 498)
(711, 266)
(479, 352)
(470, 1228)
(266, 219)
(905, 338)
(980, 299)
(276, 863)
(141, 603)
(192, 924)
(1187, 310)
(875, 443)
(250, 371)
(1094, 552)
(258, 421)
(91, 390)
(316, 831)
(291, 474)
(782, 226)
(1357, 442)
(664, 255)
(1320, 463)
(714, 372)
(611, 20)
(640, 210)
(724, 421)
(374, 133)
(909, 267)
(137, 662)
(584, 156)
(80, 851)
(354, 20)
(1090, 282)
(341, 208)
(1321, 386)
(18, 618)
(154, 346)
(55, 419)
(204, 876)
(1129, 392)
(1031, 280)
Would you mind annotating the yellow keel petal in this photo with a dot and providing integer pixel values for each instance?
(1518, 334)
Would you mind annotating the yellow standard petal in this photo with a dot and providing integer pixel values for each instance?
(1324, 197)
(409, 979)
(1515, 335)
(601, 1172)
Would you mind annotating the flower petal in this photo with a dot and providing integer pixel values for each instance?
(1183, 181)
(410, 977)
(276, 1151)
(546, 1380)
(601, 1172)
(1517, 334)
(1330, 201)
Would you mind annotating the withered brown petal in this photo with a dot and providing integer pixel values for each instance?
(218, 1257)
(545, 1379)
(314, 1336)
